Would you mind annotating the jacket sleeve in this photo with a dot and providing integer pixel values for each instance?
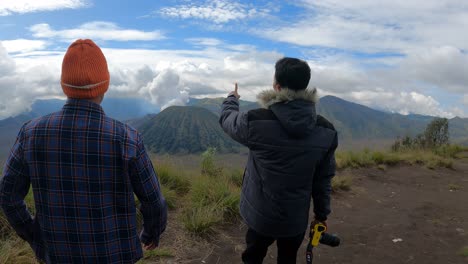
(321, 189)
(14, 186)
(233, 122)
(146, 186)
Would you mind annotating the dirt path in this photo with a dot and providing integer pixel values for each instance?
(427, 209)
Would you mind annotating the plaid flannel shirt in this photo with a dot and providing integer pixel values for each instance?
(84, 168)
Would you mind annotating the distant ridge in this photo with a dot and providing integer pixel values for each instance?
(358, 126)
(185, 129)
(356, 122)
(214, 104)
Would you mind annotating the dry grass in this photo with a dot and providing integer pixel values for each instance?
(454, 187)
(438, 158)
(201, 220)
(15, 250)
(341, 183)
(156, 254)
(366, 158)
(203, 203)
(211, 201)
(172, 179)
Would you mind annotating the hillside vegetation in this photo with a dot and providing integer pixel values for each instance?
(202, 201)
(182, 130)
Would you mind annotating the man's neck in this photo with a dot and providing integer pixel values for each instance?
(96, 100)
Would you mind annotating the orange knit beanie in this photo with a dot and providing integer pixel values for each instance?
(84, 70)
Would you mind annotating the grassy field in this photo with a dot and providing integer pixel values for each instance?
(203, 191)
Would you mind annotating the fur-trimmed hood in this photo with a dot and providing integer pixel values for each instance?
(268, 98)
(295, 110)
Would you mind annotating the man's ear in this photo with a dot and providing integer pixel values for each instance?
(277, 87)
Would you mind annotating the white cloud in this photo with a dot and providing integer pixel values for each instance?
(444, 67)
(401, 102)
(163, 77)
(97, 30)
(396, 90)
(20, 87)
(336, 32)
(168, 77)
(205, 41)
(23, 45)
(8, 7)
(415, 47)
(375, 26)
(7, 65)
(217, 11)
(167, 89)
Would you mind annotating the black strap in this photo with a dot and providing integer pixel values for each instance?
(309, 253)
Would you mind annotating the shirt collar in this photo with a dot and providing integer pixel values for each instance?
(83, 104)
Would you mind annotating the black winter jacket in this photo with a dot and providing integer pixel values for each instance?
(291, 160)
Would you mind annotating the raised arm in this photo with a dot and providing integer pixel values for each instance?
(233, 122)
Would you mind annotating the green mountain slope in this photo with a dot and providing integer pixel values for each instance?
(354, 121)
(185, 129)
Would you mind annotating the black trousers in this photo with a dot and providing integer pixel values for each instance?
(257, 247)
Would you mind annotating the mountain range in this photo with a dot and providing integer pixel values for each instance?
(192, 128)
(356, 122)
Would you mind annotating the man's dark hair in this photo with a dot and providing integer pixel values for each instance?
(292, 73)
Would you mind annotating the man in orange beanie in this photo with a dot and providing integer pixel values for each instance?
(84, 168)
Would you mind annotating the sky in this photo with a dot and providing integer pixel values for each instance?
(408, 57)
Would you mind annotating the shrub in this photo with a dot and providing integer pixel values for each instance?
(365, 158)
(219, 193)
(385, 158)
(435, 135)
(171, 179)
(439, 157)
(353, 159)
(208, 166)
(439, 163)
(341, 183)
(448, 151)
(201, 220)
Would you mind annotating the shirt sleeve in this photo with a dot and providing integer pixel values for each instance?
(233, 122)
(14, 186)
(148, 190)
(321, 189)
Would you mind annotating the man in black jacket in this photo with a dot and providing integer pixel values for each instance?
(291, 160)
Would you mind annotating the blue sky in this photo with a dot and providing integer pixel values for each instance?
(399, 56)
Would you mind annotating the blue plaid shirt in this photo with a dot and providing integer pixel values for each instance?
(84, 168)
